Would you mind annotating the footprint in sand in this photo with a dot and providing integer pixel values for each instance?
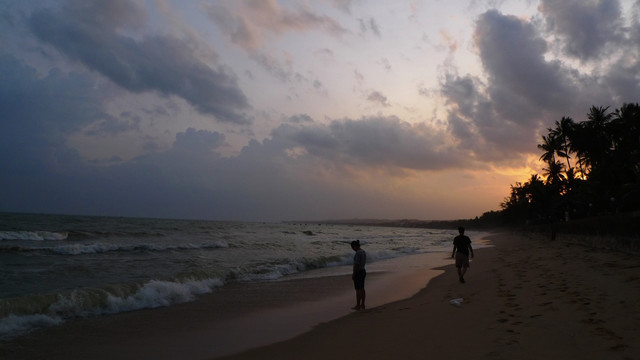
(593, 321)
(619, 347)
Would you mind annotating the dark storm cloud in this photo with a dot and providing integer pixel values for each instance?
(478, 128)
(112, 125)
(36, 118)
(190, 180)
(198, 140)
(305, 168)
(497, 119)
(622, 76)
(35, 106)
(622, 79)
(522, 82)
(374, 142)
(588, 27)
(91, 32)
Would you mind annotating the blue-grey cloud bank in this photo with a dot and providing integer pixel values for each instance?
(275, 110)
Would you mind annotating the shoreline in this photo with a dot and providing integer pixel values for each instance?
(232, 319)
(524, 299)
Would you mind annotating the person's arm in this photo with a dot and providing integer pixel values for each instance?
(471, 250)
(453, 254)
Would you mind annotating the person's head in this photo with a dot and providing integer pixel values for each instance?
(461, 229)
(355, 245)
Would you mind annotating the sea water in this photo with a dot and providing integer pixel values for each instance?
(55, 267)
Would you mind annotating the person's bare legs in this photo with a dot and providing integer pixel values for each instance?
(360, 297)
(461, 271)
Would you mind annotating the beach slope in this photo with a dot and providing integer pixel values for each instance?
(524, 299)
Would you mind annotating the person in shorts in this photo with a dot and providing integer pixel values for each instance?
(461, 251)
(359, 273)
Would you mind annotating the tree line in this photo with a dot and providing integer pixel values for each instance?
(590, 168)
(591, 171)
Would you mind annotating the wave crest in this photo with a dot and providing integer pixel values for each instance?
(33, 235)
(33, 312)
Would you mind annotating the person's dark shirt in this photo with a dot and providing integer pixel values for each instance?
(462, 243)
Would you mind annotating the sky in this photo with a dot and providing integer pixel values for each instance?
(268, 110)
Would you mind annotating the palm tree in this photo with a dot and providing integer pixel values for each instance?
(570, 180)
(597, 123)
(589, 140)
(605, 150)
(551, 145)
(625, 129)
(562, 131)
(554, 175)
(625, 154)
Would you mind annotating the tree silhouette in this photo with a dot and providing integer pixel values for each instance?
(563, 131)
(606, 178)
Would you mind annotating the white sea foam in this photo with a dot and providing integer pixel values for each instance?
(80, 249)
(161, 293)
(14, 325)
(33, 235)
(271, 272)
(153, 294)
(84, 303)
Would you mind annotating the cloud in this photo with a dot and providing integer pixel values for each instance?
(302, 171)
(497, 117)
(162, 64)
(478, 128)
(622, 79)
(588, 27)
(386, 64)
(38, 168)
(374, 142)
(198, 140)
(344, 5)
(358, 165)
(358, 77)
(377, 97)
(245, 22)
(370, 24)
(521, 81)
(112, 125)
(281, 70)
(35, 108)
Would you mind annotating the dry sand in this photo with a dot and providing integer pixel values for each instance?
(524, 299)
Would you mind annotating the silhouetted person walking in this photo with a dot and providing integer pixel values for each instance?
(461, 249)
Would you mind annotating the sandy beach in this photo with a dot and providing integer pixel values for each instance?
(524, 299)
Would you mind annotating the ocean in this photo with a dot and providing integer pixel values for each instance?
(59, 267)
